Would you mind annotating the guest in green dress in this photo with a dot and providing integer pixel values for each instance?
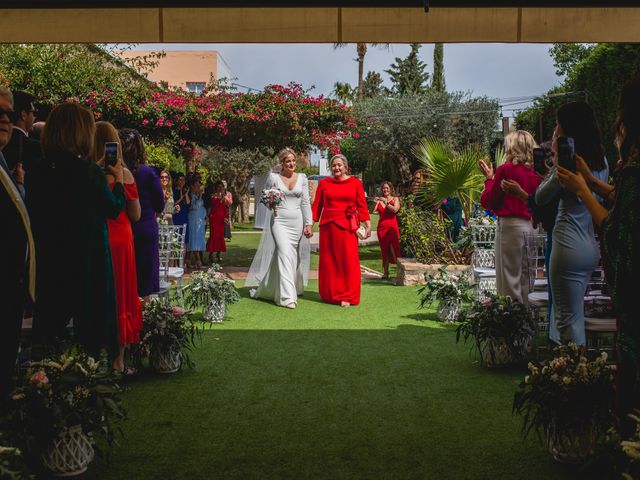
(69, 202)
(620, 238)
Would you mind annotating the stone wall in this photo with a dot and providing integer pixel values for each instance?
(411, 272)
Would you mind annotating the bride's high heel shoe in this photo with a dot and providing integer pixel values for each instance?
(292, 305)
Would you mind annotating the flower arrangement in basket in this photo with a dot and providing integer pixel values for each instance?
(271, 198)
(62, 409)
(212, 291)
(501, 328)
(168, 335)
(568, 402)
(450, 290)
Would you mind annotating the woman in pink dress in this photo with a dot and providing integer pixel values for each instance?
(387, 207)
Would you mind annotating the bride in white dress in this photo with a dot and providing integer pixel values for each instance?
(280, 268)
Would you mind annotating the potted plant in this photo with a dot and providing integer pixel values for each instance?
(568, 402)
(168, 335)
(501, 328)
(212, 291)
(12, 465)
(449, 290)
(63, 409)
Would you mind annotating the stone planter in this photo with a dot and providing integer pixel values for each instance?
(411, 272)
(496, 353)
(166, 361)
(575, 448)
(448, 309)
(215, 312)
(70, 454)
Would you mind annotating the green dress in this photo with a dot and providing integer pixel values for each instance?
(621, 245)
(69, 201)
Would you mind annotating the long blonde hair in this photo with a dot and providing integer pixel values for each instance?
(518, 147)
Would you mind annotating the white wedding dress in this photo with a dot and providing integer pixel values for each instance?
(280, 268)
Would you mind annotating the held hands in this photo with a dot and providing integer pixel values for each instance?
(486, 169)
(367, 230)
(511, 187)
(308, 231)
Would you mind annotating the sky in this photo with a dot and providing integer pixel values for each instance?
(502, 71)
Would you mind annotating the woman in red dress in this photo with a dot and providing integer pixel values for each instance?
(218, 217)
(123, 254)
(387, 207)
(340, 206)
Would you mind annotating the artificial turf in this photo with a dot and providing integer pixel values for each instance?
(378, 391)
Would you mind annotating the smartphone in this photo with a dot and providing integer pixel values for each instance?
(566, 153)
(110, 153)
(539, 157)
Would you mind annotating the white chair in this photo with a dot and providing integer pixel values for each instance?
(535, 245)
(483, 259)
(172, 251)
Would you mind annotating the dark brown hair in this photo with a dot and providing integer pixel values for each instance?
(627, 126)
(387, 182)
(133, 152)
(577, 120)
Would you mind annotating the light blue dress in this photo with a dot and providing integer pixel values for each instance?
(574, 256)
(195, 225)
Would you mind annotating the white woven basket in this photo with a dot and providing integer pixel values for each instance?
(166, 362)
(70, 454)
(215, 312)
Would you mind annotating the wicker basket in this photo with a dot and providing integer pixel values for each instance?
(448, 310)
(70, 454)
(496, 353)
(166, 361)
(576, 448)
(215, 312)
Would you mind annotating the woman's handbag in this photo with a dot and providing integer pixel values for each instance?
(361, 232)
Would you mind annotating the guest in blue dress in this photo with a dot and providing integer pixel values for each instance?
(196, 224)
(145, 230)
(181, 202)
(575, 252)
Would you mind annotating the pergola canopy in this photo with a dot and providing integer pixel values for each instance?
(382, 21)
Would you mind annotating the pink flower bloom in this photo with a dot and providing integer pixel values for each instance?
(178, 311)
(39, 378)
(145, 122)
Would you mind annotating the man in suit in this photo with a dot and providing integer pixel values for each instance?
(16, 247)
(22, 150)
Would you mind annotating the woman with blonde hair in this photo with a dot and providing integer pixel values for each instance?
(280, 267)
(74, 269)
(514, 218)
(167, 188)
(123, 254)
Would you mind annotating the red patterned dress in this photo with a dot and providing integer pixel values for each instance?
(217, 215)
(388, 234)
(123, 258)
(340, 206)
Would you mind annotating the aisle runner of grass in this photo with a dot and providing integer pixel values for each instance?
(378, 391)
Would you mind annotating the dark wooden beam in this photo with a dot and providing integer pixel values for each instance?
(28, 4)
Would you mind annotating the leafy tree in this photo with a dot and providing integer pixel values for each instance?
(236, 166)
(567, 55)
(392, 126)
(361, 50)
(162, 156)
(437, 82)
(344, 92)
(373, 85)
(409, 75)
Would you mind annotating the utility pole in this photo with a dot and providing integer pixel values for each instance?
(505, 126)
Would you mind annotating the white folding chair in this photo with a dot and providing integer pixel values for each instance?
(172, 248)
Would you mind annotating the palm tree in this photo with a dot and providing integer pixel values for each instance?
(361, 49)
(343, 92)
(450, 173)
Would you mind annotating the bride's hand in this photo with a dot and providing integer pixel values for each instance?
(308, 231)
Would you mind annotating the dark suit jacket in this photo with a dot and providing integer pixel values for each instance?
(21, 149)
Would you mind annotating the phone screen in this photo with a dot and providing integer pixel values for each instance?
(566, 153)
(110, 153)
(539, 157)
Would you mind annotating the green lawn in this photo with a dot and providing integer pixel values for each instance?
(378, 391)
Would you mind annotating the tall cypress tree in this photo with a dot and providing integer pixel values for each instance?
(409, 75)
(437, 82)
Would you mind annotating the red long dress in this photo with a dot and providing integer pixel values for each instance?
(388, 233)
(340, 206)
(123, 258)
(217, 215)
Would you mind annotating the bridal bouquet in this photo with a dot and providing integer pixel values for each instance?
(271, 198)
